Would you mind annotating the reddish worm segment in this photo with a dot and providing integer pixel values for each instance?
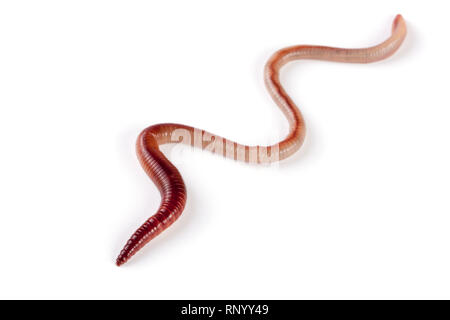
(168, 179)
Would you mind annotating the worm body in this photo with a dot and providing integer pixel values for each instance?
(168, 179)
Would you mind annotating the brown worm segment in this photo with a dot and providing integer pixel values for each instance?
(168, 179)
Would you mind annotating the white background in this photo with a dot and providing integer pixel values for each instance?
(362, 211)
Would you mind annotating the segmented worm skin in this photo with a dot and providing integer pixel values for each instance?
(168, 179)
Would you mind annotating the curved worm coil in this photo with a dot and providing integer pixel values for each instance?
(168, 179)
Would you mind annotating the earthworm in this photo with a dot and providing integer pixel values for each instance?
(167, 178)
